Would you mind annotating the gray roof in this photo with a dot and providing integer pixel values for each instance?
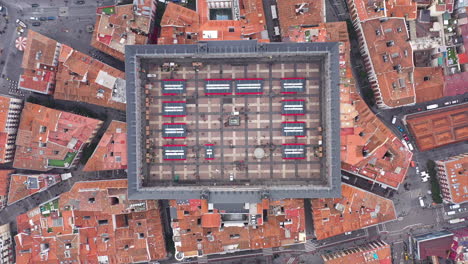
(249, 86)
(292, 85)
(325, 53)
(294, 151)
(218, 86)
(296, 129)
(174, 108)
(293, 107)
(173, 86)
(174, 130)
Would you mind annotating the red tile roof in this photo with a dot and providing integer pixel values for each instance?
(300, 13)
(4, 181)
(198, 229)
(82, 78)
(111, 152)
(392, 60)
(440, 127)
(20, 187)
(429, 83)
(180, 25)
(453, 174)
(61, 132)
(356, 209)
(360, 127)
(93, 221)
(39, 63)
(126, 25)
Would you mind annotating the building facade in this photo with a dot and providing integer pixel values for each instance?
(10, 111)
(6, 245)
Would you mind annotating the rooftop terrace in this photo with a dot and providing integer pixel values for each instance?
(236, 100)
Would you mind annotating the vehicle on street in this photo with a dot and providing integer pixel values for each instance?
(80, 2)
(417, 170)
(21, 23)
(348, 233)
(43, 18)
(454, 206)
(450, 213)
(421, 202)
(410, 146)
(51, 18)
(413, 164)
(455, 102)
(456, 220)
(1, 8)
(448, 103)
(36, 24)
(465, 99)
(34, 5)
(393, 120)
(432, 106)
(400, 129)
(461, 210)
(34, 18)
(406, 137)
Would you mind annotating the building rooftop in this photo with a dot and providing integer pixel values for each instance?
(459, 246)
(392, 59)
(375, 252)
(22, 185)
(49, 138)
(121, 25)
(82, 78)
(356, 209)
(247, 141)
(368, 147)
(368, 10)
(433, 244)
(93, 221)
(300, 13)
(456, 84)
(180, 25)
(456, 171)
(111, 152)
(202, 228)
(39, 63)
(439, 127)
(429, 83)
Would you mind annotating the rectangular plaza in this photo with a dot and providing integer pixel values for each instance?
(249, 122)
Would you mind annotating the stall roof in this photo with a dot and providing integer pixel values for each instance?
(292, 85)
(209, 152)
(174, 108)
(293, 107)
(174, 130)
(296, 129)
(175, 152)
(218, 86)
(173, 86)
(249, 86)
(294, 151)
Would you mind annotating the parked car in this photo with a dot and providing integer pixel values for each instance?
(51, 18)
(448, 103)
(80, 2)
(1, 8)
(36, 24)
(450, 213)
(21, 23)
(34, 18)
(410, 146)
(461, 210)
(455, 102)
(421, 201)
(348, 233)
(34, 5)
(400, 129)
(43, 18)
(406, 137)
(417, 170)
(454, 206)
(393, 120)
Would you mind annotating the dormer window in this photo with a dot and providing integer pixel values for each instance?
(390, 43)
(427, 78)
(42, 129)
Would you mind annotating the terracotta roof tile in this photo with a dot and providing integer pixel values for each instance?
(93, 220)
(453, 176)
(356, 209)
(439, 127)
(429, 83)
(376, 252)
(61, 132)
(300, 13)
(111, 152)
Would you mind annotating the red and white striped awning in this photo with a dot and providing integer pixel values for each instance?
(20, 43)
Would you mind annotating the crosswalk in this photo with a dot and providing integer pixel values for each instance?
(310, 246)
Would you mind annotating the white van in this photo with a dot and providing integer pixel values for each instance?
(455, 206)
(273, 12)
(450, 213)
(393, 120)
(456, 220)
(410, 146)
(432, 106)
(421, 202)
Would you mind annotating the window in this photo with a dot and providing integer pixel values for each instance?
(141, 235)
(56, 152)
(42, 129)
(231, 29)
(427, 78)
(42, 144)
(102, 222)
(91, 200)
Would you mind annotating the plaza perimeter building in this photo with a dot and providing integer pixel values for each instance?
(233, 121)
